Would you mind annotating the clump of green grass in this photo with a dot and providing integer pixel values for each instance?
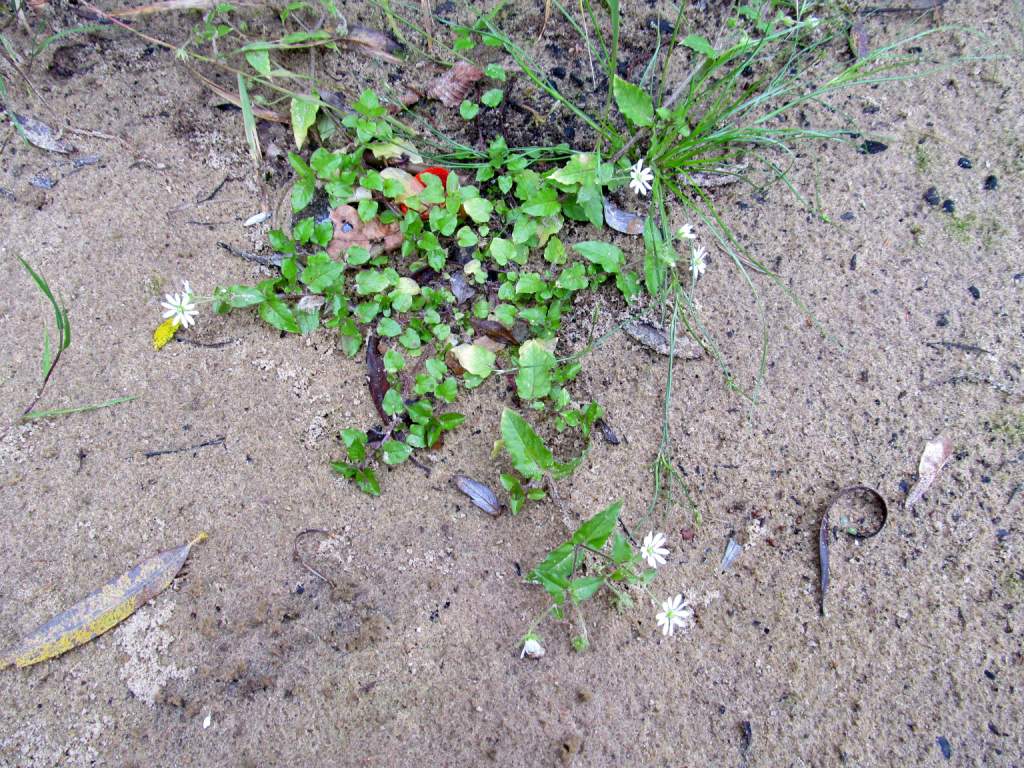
(52, 352)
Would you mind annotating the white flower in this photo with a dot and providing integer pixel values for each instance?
(674, 613)
(180, 307)
(652, 550)
(686, 232)
(640, 178)
(698, 262)
(532, 648)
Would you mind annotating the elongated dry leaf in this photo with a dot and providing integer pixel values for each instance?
(451, 87)
(718, 177)
(162, 6)
(261, 112)
(100, 611)
(732, 551)
(656, 338)
(373, 43)
(376, 377)
(860, 44)
(481, 495)
(622, 221)
(934, 458)
(39, 134)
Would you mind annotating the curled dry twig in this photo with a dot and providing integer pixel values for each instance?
(297, 556)
(823, 531)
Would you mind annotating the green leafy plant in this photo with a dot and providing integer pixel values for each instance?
(590, 562)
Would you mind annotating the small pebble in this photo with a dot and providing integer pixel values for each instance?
(255, 219)
(42, 181)
(870, 147)
(991, 182)
(948, 206)
(932, 196)
(662, 25)
(947, 750)
(975, 293)
(963, 162)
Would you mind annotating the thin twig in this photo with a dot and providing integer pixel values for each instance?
(222, 440)
(266, 261)
(957, 345)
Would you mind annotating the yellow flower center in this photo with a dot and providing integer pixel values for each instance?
(165, 332)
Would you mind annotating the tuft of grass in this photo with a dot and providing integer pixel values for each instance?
(50, 357)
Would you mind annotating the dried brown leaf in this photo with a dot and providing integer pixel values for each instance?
(481, 495)
(656, 338)
(350, 230)
(453, 86)
(100, 611)
(859, 42)
(376, 376)
(39, 134)
(622, 221)
(936, 454)
(492, 329)
(372, 42)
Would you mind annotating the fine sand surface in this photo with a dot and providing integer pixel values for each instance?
(413, 659)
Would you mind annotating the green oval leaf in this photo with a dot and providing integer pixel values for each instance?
(633, 102)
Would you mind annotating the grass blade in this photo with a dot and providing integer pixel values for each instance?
(34, 415)
(249, 121)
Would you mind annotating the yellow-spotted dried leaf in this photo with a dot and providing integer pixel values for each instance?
(165, 332)
(102, 610)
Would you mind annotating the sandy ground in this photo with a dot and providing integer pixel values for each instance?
(413, 659)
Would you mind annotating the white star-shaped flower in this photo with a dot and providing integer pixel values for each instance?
(686, 232)
(180, 307)
(698, 260)
(652, 550)
(640, 178)
(674, 613)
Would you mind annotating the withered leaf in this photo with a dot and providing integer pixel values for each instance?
(452, 87)
(461, 288)
(732, 551)
(859, 43)
(492, 329)
(936, 454)
(100, 611)
(373, 43)
(481, 495)
(350, 230)
(607, 432)
(622, 221)
(39, 134)
(656, 338)
(376, 377)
